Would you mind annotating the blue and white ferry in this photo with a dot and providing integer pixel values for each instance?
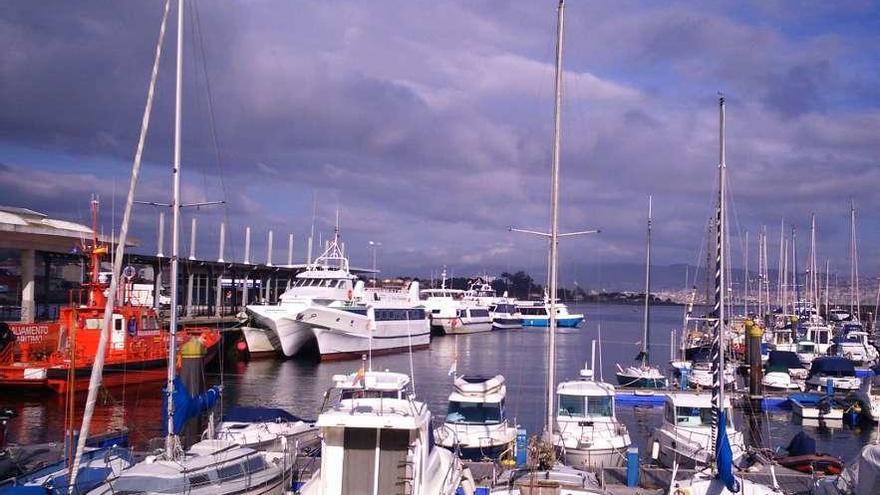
(536, 314)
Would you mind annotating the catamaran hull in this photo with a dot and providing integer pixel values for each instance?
(261, 341)
(292, 334)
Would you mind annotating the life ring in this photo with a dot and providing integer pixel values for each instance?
(349, 294)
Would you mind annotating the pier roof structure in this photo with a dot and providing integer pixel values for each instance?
(22, 228)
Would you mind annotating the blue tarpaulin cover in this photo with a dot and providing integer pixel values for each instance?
(186, 407)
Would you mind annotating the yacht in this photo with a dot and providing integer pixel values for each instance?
(476, 425)
(377, 439)
(807, 351)
(839, 371)
(783, 341)
(450, 312)
(534, 314)
(868, 397)
(325, 282)
(328, 306)
(701, 375)
(685, 436)
(821, 336)
(589, 434)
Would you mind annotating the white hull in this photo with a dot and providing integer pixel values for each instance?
(260, 340)
(292, 335)
(451, 327)
(692, 448)
(591, 459)
(342, 333)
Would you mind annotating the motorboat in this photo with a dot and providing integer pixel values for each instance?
(784, 372)
(837, 371)
(535, 314)
(266, 428)
(378, 439)
(588, 431)
(783, 340)
(817, 406)
(868, 397)
(505, 315)
(856, 346)
(807, 351)
(450, 312)
(476, 425)
(821, 335)
(701, 375)
(685, 436)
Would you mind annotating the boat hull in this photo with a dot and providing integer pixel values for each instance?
(261, 342)
(506, 323)
(562, 322)
(292, 335)
(593, 459)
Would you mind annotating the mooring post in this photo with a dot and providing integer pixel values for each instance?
(754, 333)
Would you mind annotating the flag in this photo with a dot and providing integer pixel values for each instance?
(724, 455)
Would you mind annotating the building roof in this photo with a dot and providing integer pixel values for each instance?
(23, 228)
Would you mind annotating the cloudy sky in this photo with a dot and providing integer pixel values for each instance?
(428, 125)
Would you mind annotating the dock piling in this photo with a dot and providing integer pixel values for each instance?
(754, 334)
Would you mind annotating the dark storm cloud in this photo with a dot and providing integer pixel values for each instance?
(429, 124)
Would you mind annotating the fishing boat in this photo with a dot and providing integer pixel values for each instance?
(589, 433)
(784, 372)
(476, 425)
(643, 374)
(536, 314)
(57, 356)
(378, 439)
(709, 429)
(839, 372)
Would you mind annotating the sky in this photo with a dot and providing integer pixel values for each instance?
(429, 125)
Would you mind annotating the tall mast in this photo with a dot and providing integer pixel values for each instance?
(647, 322)
(719, 312)
(854, 305)
(780, 276)
(814, 282)
(170, 439)
(554, 221)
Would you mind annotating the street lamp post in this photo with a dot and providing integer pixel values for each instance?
(375, 246)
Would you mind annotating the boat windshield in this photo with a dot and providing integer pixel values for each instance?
(474, 413)
(806, 347)
(696, 416)
(579, 406)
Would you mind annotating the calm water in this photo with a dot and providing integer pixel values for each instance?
(520, 355)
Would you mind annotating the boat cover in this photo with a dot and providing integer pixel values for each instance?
(185, 406)
(783, 361)
(832, 366)
(260, 415)
(802, 444)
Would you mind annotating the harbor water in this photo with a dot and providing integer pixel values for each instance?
(298, 385)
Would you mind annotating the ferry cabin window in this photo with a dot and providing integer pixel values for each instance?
(473, 413)
(479, 313)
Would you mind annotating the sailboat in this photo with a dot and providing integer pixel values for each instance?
(720, 480)
(210, 466)
(643, 375)
(548, 475)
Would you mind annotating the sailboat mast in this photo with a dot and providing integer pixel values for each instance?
(647, 321)
(175, 235)
(718, 372)
(554, 222)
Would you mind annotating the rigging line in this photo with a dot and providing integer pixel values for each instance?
(212, 120)
(192, 44)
